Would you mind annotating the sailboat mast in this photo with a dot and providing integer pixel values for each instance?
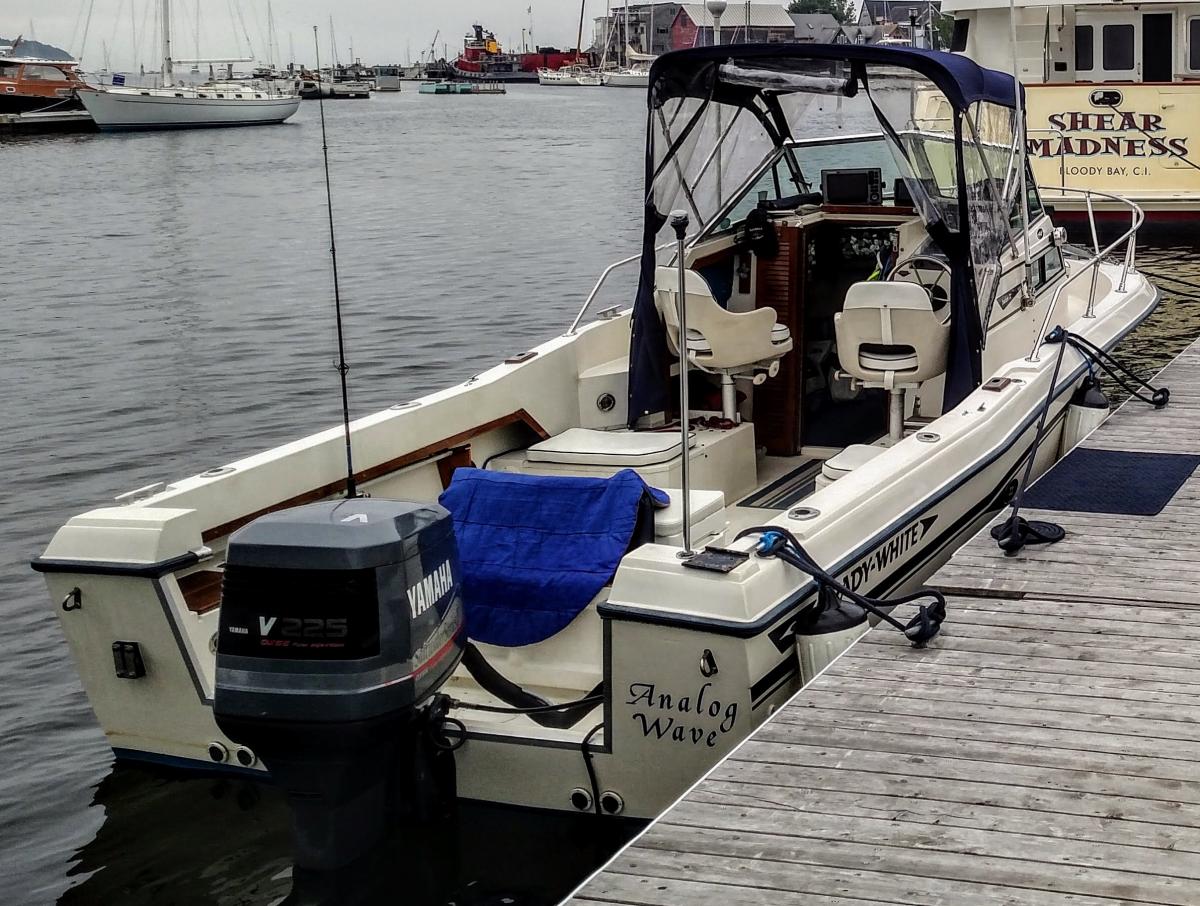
(274, 61)
(625, 49)
(579, 36)
(167, 70)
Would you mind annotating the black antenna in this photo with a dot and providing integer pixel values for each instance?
(342, 367)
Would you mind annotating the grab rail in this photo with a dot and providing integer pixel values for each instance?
(587, 303)
(1092, 265)
(1062, 157)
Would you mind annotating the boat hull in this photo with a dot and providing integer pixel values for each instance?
(134, 110)
(627, 80)
(644, 640)
(24, 103)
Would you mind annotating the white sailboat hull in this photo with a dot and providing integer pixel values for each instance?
(562, 78)
(628, 79)
(165, 108)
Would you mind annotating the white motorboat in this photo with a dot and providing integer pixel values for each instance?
(180, 107)
(866, 367)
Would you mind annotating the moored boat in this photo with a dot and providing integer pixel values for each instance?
(483, 59)
(860, 360)
(215, 104)
(311, 88)
(1112, 94)
(569, 76)
(31, 83)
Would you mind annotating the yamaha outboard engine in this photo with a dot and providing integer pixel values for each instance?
(339, 622)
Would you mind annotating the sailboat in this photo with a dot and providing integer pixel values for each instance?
(636, 71)
(178, 106)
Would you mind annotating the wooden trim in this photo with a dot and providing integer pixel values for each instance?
(459, 458)
(868, 210)
(448, 444)
(201, 590)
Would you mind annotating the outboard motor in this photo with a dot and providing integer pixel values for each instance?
(339, 623)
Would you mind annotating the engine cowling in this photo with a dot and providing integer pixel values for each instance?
(339, 622)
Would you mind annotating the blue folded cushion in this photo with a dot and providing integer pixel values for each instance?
(535, 549)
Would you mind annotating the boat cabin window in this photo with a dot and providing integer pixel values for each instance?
(1048, 268)
(43, 73)
(8, 70)
(1085, 58)
(1193, 56)
(1118, 47)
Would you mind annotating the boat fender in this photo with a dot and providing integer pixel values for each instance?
(1088, 409)
(824, 631)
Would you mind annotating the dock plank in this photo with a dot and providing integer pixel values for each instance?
(1041, 750)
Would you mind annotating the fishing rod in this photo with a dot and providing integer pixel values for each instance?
(342, 367)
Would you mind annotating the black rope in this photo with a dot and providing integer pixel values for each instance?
(1015, 532)
(779, 542)
(1132, 118)
(536, 709)
(585, 747)
(1118, 371)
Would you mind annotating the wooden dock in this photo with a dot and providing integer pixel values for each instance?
(38, 123)
(1045, 749)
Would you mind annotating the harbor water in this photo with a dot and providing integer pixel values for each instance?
(167, 307)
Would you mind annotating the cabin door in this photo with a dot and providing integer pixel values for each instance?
(1158, 47)
(1107, 48)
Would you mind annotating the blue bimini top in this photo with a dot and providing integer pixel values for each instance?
(535, 550)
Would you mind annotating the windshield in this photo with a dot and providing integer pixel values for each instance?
(799, 167)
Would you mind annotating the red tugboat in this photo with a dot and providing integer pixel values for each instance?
(483, 59)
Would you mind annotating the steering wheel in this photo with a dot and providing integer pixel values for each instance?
(909, 271)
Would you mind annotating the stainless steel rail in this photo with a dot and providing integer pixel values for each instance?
(587, 303)
(1092, 265)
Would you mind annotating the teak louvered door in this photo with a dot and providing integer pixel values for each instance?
(777, 402)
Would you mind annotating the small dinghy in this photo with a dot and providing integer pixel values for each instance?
(558, 593)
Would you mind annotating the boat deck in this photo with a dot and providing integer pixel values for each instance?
(1042, 750)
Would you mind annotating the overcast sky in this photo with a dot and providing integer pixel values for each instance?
(382, 30)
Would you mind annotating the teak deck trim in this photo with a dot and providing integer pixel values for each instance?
(429, 451)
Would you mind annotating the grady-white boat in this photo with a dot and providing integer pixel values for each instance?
(867, 371)
(181, 107)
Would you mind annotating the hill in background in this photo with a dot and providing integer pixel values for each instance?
(28, 48)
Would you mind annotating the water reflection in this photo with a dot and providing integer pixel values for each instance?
(185, 840)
